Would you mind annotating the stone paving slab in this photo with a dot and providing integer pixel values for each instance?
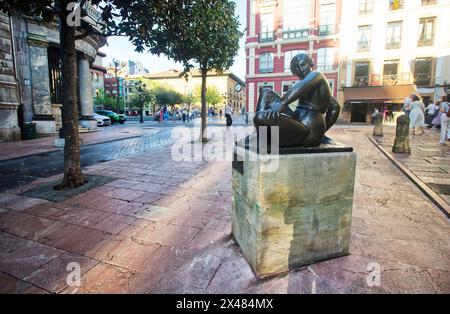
(141, 240)
(429, 161)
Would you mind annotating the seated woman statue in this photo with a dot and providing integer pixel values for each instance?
(315, 113)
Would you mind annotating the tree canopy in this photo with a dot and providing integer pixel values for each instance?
(213, 95)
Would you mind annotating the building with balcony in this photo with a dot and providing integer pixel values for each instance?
(390, 48)
(277, 30)
(30, 74)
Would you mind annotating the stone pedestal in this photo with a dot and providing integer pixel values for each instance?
(297, 215)
(401, 143)
(378, 125)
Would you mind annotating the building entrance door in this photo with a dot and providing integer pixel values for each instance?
(358, 113)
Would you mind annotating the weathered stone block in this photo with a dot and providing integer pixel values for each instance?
(297, 215)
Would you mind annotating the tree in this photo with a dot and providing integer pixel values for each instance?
(213, 95)
(104, 100)
(165, 96)
(137, 19)
(207, 35)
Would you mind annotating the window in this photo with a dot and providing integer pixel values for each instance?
(394, 35)
(267, 23)
(264, 85)
(365, 6)
(288, 55)
(361, 74)
(428, 2)
(426, 30)
(287, 86)
(390, 72)
(296, 16)
(55, 75)
(266, 63)
(325, 59)
(327, 19)
(422, 71)
(395, 4)
(364, 37)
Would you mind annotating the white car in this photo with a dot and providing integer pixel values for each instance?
(102, 120)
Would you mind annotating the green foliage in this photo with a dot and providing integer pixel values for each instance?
(213, 95)
(106, 101)
(166, 96)
(145, 98)
(207, 34)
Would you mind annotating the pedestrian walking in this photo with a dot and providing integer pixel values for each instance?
(445, 115)
(431, 113)
(407, 104)
(416, 115)
(228, 112)
(220, 113)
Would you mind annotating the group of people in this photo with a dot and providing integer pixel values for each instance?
(433, 116)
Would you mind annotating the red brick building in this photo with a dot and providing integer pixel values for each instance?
(278, 30)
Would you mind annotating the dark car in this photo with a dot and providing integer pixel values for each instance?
(113, 116)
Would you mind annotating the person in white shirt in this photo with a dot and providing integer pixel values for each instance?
(407, 104)
(444, 108)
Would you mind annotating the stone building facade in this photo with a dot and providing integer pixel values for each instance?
(30, 76)
(277, 30)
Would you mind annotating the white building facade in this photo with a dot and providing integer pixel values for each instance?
(389, 48)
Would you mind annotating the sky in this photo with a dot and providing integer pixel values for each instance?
(121, 49)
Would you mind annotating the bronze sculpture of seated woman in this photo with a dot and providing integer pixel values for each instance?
(317, 110)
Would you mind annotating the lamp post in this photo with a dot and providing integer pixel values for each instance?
(140, 87)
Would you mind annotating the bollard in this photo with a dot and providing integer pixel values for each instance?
(378, 127)
(401, 144)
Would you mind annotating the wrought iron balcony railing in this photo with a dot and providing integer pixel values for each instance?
(91, 15)
(426, 41)
(361, 81)
(422, 79)
(363, 45)
(299, 33)
(391, 79)
(395, 43)
(266, 37)
(326, 30)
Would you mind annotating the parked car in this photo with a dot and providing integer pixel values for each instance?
(102, 120)
(112, 115)
(122, 117)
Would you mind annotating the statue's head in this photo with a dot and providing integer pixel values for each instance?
(301, 65)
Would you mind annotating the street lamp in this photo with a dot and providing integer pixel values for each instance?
(140, 87)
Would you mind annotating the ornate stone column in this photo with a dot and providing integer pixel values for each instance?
(40, 84)
(86, 100)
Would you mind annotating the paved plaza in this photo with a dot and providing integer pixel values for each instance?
(161, 226)
(429, 161)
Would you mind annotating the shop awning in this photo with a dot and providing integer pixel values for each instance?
(395, 94)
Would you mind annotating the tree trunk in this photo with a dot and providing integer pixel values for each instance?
(203, 135)
(72, 169)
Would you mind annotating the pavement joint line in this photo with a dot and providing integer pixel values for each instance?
(433, 196)
(61, 149)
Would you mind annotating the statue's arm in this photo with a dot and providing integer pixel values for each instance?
(301, 87)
